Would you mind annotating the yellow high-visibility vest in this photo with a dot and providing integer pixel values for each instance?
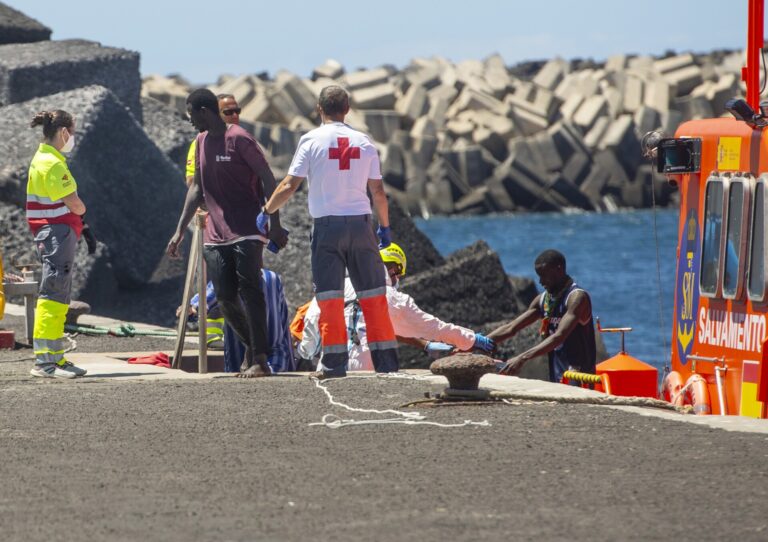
(190, 169)
(49, 181)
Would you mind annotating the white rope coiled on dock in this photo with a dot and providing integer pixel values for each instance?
(405, 418)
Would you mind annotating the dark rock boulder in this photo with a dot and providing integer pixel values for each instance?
(30, 70)
(169, 130)
(133, 192)
(524, 290)
(15, 27)
(470, 289)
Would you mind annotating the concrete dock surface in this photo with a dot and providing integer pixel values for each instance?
(135, 452)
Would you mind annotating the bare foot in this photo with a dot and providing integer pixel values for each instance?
(247, 361)
(254, 371)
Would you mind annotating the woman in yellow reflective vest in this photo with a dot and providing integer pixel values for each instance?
(54, 214)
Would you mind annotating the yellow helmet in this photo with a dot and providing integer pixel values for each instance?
(393, 253)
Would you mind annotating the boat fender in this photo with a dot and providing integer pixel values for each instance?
(697, 394)
(672, 388)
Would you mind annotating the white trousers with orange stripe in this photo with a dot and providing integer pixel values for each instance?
(343, 244)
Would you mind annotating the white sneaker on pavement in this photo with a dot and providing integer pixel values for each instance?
(51, 371)
(72, 368)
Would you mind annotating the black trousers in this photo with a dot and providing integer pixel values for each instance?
(235, 271)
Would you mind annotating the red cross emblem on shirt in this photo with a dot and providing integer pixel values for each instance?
(343, 153)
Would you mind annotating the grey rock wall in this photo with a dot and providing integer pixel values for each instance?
(126, 182)
(15, 27)
(29, 70)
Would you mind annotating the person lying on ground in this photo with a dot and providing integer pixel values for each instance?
(411, 324)
(281, 355)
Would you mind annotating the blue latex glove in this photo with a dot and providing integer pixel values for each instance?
(262, 223)
(437, 350)
(385, 236)
(484, 343)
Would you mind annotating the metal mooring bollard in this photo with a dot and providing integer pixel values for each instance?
(464, 370)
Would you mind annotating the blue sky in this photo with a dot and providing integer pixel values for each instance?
(201, 40)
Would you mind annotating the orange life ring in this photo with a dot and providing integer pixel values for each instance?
(672, 388)
(697, 395)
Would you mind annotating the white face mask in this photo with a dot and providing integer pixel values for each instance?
(70, 144)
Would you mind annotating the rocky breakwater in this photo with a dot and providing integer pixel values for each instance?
(132, 188)
(480, 136)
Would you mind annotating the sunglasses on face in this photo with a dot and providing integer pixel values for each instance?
(231, 111)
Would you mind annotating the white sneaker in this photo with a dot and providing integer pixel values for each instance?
(51, 371)
(72, 368)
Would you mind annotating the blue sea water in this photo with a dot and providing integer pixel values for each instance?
(613, 256)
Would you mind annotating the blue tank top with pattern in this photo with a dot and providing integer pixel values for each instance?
(578, 351)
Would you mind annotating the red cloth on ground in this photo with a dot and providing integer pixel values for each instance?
(158, 359)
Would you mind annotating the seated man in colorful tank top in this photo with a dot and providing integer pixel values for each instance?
(565, 311)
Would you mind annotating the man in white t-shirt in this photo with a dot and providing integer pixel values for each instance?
(341, 164)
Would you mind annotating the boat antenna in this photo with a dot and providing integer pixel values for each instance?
(649, 143)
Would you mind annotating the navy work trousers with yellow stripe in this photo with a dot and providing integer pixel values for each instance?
(56, 245)
(347, 243)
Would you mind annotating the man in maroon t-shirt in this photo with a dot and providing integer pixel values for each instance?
(232, 177)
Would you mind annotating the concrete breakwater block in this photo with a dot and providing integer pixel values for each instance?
(131, 189)
(170, 91)
(382, 124)
(525, 185)
(381, 96)
(463, 370)
(622, 139)
(556, 117)
(471, 164)
(29, 70)
(366, 78)
(393, 166)
(330, 69)
(15, 27)
(552, 73)
(299, 92)
(169, 130)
